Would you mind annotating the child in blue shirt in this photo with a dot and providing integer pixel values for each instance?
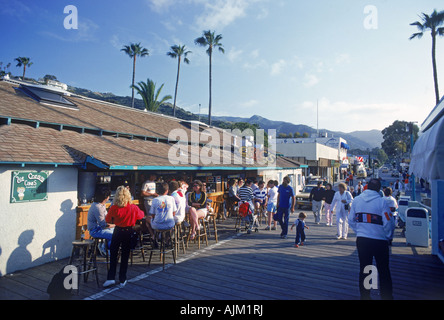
(300, 229)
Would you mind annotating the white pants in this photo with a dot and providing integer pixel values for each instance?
(342, 223)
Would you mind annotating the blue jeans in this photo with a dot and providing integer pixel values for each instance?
(103, 233)
(283, 216)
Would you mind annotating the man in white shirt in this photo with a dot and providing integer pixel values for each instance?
(162, 210)
(373, 222)
(149, 192)
(272, 204)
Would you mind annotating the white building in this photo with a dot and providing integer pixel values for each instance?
(324, 155)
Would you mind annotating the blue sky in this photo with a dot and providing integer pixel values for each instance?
(282, 56)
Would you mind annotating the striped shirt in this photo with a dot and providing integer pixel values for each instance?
(260, 194)
(245, 193)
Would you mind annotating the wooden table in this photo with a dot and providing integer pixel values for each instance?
(82, 218)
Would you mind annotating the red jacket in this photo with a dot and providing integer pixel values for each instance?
(124, 217)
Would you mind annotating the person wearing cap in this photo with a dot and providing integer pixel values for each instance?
(372, 220)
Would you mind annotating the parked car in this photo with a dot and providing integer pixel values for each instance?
(302, 198)
(384, 170)
(395, 174)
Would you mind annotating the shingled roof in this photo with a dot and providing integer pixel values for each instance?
(95, 133)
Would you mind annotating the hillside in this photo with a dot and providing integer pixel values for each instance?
(357, 140)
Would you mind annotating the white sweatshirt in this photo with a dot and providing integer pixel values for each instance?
(370, 216)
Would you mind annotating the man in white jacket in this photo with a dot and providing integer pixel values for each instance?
(372, 220)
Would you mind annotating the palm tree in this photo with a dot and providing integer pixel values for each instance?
(210, 40)
(178, 52)
(147, 90)
(433, 23)
(135, 50)
(25, 62)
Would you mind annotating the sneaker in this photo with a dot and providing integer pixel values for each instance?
(296, 246)
(109, 283)
(123, 284)
(302, 243)
(267, 228)
(338, 238)
(273, 228)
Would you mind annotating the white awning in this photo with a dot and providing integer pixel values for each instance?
(428, 153)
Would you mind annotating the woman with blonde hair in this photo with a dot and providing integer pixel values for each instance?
(124, 215)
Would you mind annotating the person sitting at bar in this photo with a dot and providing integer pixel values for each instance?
(233, 199)
(181, 202)
(197, 206)
(124, 215)
(162, 210)
(97, 226)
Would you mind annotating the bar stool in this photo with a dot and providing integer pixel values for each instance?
(99, 241)
(180, 236)
(211, 219)
(163, 245)
(84, 265)
(139, 243)
(200, 235)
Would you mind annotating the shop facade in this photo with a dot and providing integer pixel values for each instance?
(53, 155)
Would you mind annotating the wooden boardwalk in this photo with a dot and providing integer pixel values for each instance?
(259, 266)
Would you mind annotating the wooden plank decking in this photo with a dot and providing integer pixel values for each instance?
(259, 266)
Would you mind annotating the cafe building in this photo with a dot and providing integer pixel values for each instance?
(56, 148)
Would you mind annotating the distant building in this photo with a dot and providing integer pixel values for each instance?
(325, 156)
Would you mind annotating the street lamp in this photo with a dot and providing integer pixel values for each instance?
(410, 127)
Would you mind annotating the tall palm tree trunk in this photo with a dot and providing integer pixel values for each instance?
(177, 85)
(24, 71)
(435, 69)
(209, 106)
(134, 78)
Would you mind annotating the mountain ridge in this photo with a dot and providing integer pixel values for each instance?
(357, 140)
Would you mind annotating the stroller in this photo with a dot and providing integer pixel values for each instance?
(247, 216)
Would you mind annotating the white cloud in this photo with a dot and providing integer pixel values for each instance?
(160, 6)
(249, 104)
(347, 116)
(311, 80)
(278, 67)
(234, 54)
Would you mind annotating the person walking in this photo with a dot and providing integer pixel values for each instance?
(124, 215)
(272, 204)
(341, 204)
(317, 200)
(329, 195)
(285, 203)
(371, 219)
(300, 229)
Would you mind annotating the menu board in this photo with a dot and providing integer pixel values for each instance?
(29, 186)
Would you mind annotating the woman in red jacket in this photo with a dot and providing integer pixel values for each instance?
(124, 215)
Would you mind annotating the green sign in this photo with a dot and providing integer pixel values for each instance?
(29, 186)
